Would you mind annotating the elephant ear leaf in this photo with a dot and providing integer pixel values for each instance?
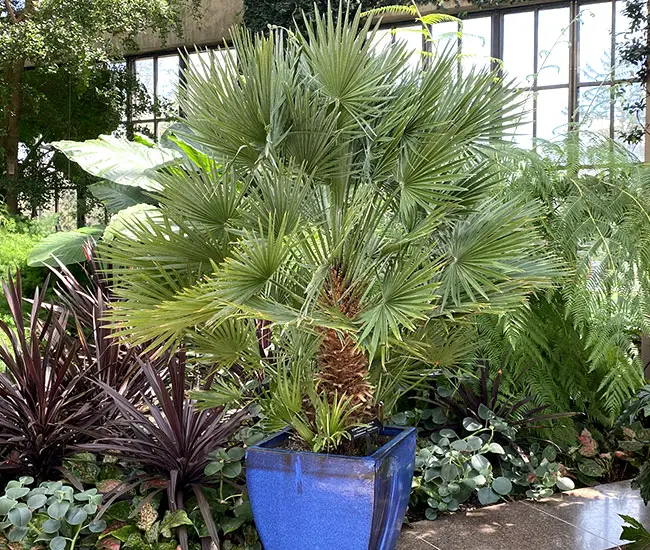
(67, 247)
(119, 160)
(117, 197)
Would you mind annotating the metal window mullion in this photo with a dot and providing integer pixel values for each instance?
(612, 74)
(182, 79)
(574, 86)
(535, 68)
(130, 67)
(496, 46)
(155, 97)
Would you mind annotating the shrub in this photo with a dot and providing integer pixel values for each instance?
(44, 410)
(171, 442)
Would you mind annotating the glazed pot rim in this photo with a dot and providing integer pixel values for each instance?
(399, 433)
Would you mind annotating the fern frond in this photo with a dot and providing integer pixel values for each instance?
(396, 9)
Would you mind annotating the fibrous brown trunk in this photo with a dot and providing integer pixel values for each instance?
(10, 140)
(343, 366)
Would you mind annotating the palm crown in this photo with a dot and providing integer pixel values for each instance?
(331, 204)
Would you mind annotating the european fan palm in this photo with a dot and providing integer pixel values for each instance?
(331, 205)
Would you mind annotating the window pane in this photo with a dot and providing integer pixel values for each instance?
(444, 36)
(518, 46)
(553, 47)
(594, 113)
(413, 39)
(199, 63)
(623, 35)
(595, 42)
(523, 132)
(144, 74)
(146, 129)
(552, 113)
(168, 78)
(476, 43)
(382, 39)
(624, 121)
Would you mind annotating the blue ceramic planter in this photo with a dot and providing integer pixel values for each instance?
(311, 501)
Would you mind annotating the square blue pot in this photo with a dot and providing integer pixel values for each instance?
(312, 501)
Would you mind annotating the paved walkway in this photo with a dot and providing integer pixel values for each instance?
(583, 519)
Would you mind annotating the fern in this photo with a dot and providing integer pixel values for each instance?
(411, 10)
(576, 347)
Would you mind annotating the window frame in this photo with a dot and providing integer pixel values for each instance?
(497, 19)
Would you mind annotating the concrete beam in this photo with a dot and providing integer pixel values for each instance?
(210, 28)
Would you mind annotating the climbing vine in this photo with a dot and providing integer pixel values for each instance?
(259, 14)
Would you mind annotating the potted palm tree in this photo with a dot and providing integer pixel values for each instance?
(327, 214)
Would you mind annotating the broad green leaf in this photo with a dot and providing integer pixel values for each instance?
(213, 468)
(36, 501)
(496, 448)
(484, 413)
(459, 445)
(117, 197)
(449, 472)
(6, 504)
(17, 534)
(471, 425)
(58, 543)
(51, 525)
(20, 516)
(236, 453)
(76, 516)
(487, 496)
(17, 492)
(431, 514)
(231, 524)
(480, 463)
(118, 160)
(97, 526)
(232, 469)
(502, 486)
(67, 247)
(122, 222)
(58, 510)
(173, 520)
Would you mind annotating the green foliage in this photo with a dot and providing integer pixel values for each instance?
(259, 15)
(635, 531)
(634, 51)
(634, 423)
(61, 104)
(475, 467)
(51, 514)
(64, 247)
(18, 237)
(576, 347)
(51, 32)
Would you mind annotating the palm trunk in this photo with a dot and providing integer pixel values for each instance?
(343, 366)
(12, 111)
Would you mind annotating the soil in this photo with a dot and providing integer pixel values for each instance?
(363, 446)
